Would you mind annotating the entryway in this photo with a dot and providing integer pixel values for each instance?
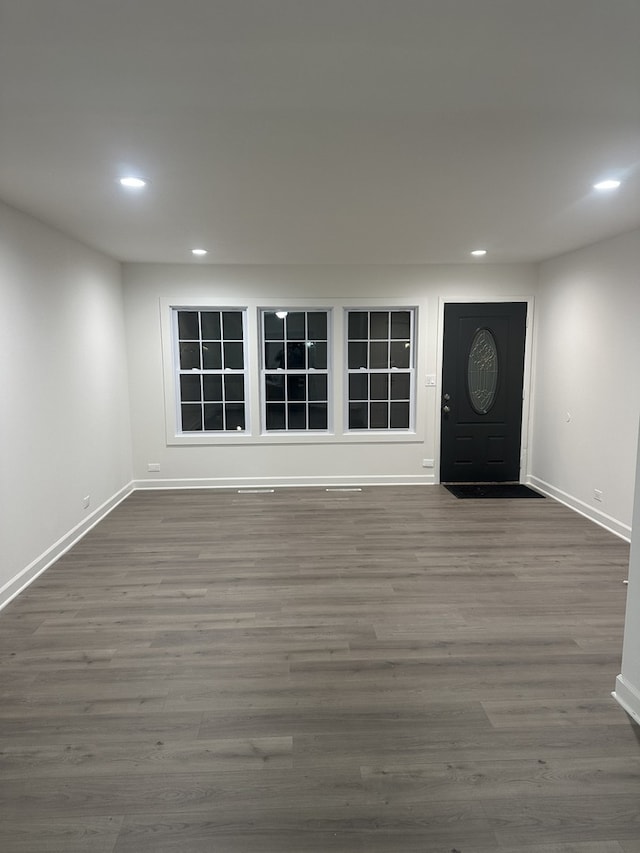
(482, 384)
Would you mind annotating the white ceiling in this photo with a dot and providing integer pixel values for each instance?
(323, 131)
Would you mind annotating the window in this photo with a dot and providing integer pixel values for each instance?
(211, 380)
(295, 371)
(380, 369)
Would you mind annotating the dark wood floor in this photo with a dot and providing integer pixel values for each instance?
(385, 671)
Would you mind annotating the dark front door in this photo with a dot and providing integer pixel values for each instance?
(482, 370)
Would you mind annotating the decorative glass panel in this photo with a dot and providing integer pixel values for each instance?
(482, 371)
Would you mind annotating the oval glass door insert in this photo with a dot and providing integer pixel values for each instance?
(482, 371)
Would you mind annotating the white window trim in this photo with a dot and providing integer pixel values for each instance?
(338, 434)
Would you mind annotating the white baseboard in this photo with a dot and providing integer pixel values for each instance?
(628, 697)
(15, 586)
(286, 482)
(598, 517)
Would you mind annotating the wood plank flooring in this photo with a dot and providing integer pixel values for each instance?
(385, 671)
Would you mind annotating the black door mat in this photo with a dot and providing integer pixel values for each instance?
(491, 490)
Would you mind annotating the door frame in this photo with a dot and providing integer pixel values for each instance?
(527, 375)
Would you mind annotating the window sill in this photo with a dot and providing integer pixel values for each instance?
(307, 438)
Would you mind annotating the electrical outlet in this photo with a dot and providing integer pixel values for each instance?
(597, 494)
(153, 467)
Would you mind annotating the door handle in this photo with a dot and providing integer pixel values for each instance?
(446, 409)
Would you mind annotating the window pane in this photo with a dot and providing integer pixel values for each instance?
(211, 356)
(357, 355)
(379, 368)
(210, 325)
(188, 326)
(210, 341)
(358, 415)
(233, 356)
(235, 415)
(189, 356)
(275, 416)
(212, 387)
(378, 354)
(400, 416)
(296, 356)
(273, 356)
(273, 327)
(234, 388)
(358, 386)
(191, 417)
(318, 387)
(274, 386)
(379, 416)
(213, 416)
(297, 413)
(400, 352)
(380, 324)
(317, 325)
(358, 325)
(232, 325)
(379, 386)
(190, 388)
(295, 326)
(401, 324)
(318, 355)
(297, 346)
(296, 388)
(318, 416)
(400, 386)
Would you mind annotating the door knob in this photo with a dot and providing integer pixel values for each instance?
(446, 409)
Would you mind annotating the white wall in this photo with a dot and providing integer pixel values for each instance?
(262, 462)
(587, 356)
(64, 423)
(627, 690)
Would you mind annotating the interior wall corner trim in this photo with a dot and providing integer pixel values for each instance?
(21, 581)
(613, 525)
(628, 697)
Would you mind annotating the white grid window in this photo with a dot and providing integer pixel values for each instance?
(380, 369)
(295, 370)
(210, 367)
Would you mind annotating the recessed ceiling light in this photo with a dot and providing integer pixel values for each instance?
(199, 252)
(609, 184)
(479, 253)
(132, 183)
